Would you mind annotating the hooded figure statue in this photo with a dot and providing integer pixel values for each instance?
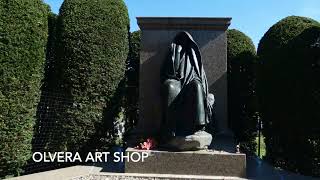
(187, 103)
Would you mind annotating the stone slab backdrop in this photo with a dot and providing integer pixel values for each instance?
(157, 35)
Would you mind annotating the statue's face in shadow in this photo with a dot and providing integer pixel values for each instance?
(182, 39)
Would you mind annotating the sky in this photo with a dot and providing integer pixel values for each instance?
(252, 17)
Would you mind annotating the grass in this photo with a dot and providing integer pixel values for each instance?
(262, 146)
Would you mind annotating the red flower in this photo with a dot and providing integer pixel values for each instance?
(147, 145)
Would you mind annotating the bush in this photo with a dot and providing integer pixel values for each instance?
(289, 94)
(45, 119)
(50, 54)
(23, 37)
(241, 55)
(91, 53)
(133, 78)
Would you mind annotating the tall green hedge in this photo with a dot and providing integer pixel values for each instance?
(133, 78)
(91, 54)
(47, 106)
(50, 53)
(241, 55)
(23, 37)
(288, 89)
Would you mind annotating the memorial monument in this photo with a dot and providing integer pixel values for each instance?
(183, 97)
(157, 34)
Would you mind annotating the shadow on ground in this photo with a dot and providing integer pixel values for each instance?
(258, 169)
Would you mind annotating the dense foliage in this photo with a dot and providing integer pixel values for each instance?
(133, 78)
(288, 89)
(23, 37)
(242, 111)
(91, 53)
(50, 53)
(45, 119)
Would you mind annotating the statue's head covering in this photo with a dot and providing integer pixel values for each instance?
(186, 40)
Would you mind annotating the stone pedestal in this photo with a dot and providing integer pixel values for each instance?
(157, 34)
(204, 162)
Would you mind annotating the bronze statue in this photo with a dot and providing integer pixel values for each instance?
(187, 103)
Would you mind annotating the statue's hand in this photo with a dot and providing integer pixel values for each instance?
(210, 99)
(210, 102)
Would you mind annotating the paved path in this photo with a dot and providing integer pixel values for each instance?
(258, 169)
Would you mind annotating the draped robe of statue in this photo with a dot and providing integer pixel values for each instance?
(184, 88)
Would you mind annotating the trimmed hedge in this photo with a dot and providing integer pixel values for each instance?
(91, 54)
(133, 78)
(288, 91)
(241, 57)
(50, 53)
(23, 38)
(135, 46)
(46, 107)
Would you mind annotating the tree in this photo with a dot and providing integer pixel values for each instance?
(288, 89)
(133, 78)
(23, 38)
(91, 52)
(241, 55)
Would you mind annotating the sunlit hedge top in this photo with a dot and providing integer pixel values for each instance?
(284, 31)
(239, 43)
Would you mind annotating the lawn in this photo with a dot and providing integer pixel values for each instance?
(262, 146)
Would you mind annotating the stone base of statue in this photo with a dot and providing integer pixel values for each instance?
(202, 162)
(197, 141)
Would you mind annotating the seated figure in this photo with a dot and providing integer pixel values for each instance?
(186, 102)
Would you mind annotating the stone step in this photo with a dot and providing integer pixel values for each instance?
(137, 176)
(203, 162)
(97, 173)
